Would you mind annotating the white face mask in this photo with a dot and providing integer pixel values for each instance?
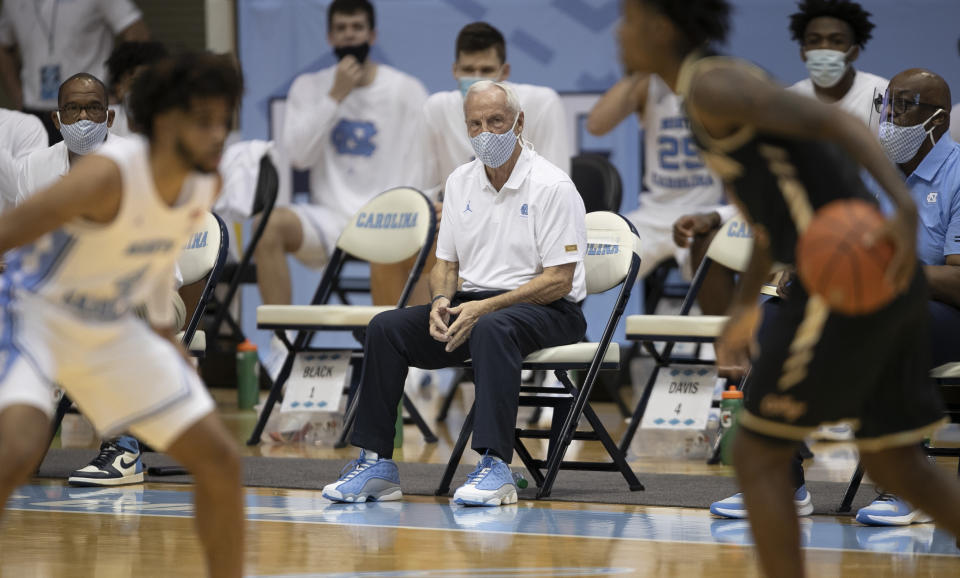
(826, 67)
(495, 149)
(83, 136)
(901, 143)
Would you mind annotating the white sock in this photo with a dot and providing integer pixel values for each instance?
(370, 456)
(496, 459)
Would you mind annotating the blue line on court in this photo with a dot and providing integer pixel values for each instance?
(658, 525)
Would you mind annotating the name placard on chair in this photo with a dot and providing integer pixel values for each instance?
(681, 398)
(316, 381)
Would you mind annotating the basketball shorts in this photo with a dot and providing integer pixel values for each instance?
(655, 226)
(816, 367)
(321, 228)
(122, 375)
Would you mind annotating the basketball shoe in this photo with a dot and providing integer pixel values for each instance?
(117, 464)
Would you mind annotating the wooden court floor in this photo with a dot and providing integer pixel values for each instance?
(146, 530)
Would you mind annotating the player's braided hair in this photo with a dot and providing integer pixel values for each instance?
(850, 12)
(173, 82)
(700, 21)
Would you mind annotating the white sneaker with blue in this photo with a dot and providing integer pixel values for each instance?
(117, 464)
(889, 510)
(367, 478)
(491, 484)
(733, 507)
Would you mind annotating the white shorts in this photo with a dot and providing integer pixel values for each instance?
(122, 375)
(655, 226)
(321, 228)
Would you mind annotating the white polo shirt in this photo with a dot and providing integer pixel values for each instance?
(42, 168)
(20, 135)
(62, 38)
(544, 126)
(859, 99)
(502, 240)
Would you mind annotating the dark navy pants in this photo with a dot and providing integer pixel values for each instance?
(497, 345)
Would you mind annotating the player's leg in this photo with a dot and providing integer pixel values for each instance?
(24, 435)
(906, 472)
(717, 290)
(206, 450)
(282, 235)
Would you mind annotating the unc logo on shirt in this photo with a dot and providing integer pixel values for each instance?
(354, 137)
(523, 210)
(387, 220)
(932, 198)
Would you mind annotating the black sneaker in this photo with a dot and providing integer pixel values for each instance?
(117, 464)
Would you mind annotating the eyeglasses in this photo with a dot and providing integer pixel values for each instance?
(95, 111)
(900, 104)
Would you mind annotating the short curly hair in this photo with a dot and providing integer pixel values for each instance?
(173, 83)
(700, 21)
(850, 12)
(128, 56)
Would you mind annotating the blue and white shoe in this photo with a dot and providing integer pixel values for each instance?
(366, 479)
(117, 464)
(889, 510)
(491, 484)
(733, 507)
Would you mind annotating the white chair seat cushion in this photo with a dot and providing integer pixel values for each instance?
(319, 315)
(574, 353)
(675, 325)
(947, 370)
(199, 341)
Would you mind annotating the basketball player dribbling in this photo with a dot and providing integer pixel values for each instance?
(783, 156)
(87, 250)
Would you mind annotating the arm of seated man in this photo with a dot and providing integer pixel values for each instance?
(545, 288)
(944, 281)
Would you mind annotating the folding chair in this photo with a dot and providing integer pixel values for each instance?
(394, 226)
(601, 188)
(731, 248)
(203, 256)
(612, 260)
(245, 271)
(947, 376)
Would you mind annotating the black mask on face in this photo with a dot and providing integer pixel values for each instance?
(359, 51)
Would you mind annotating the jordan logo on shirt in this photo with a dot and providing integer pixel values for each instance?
(468, 209)
(354, 137)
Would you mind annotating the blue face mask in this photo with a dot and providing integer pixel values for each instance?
(495, 149)
(466, 82)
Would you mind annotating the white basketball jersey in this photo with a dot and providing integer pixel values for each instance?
(674, 173)
(100, 272)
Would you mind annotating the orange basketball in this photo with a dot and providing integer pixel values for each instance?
(834, 263)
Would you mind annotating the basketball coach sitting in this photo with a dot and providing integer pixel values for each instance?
(514, 233)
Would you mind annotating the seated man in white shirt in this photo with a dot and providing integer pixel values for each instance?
(353, 126)
(20, 135)
(514, 231)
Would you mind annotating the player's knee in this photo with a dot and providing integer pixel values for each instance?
(754, 456)
(491, 327)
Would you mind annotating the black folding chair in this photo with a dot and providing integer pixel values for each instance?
(394, 226)
(244, 272)
(731, 247)
(203, 257)
(612, 260)
(947, 376)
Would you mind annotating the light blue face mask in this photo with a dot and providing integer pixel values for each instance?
(466, 82)
(495, 149)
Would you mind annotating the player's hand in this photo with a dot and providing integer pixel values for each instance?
(348, 75)
(901, 231)
(468, 314)
(736, 345)
(439, 318)
(688, 226)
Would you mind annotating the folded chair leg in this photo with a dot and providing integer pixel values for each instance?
(353, 402)
(618, 457)
(458, 450)
(451, 393)
(428, 435)
(638, 412)
(271, 400)
(531, 464)
(852, 489)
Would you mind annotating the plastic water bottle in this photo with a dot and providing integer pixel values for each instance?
(519, 480)
(248, 375)
(730, 405)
